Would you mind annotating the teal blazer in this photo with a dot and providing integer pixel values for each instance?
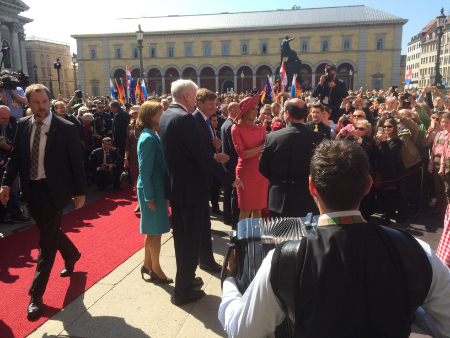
(151, 164)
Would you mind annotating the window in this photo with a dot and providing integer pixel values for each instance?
(170, 52)
(325, 46)
(118, 52)
(207, 48)
(28, 57)
(95, 89)
(65, 74)
(42, 60)
(304, 47)
(226, 49)
(93, 52)
(153, 51)
(346, 45)
(135, 53)
(380, 44)
(244, 49)
(189, 50)
(44, 73)
(27, 46)
(46, 47)
(64, 64)
(264, 48)
(47, 60)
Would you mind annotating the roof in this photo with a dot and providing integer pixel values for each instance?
(330, 16)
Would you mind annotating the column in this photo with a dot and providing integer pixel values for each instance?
(106, 68)
(198, 80)
(361, 58)
(163, 84)
(313, 79)
(81, 78)
(395, 77)
(254, 81)
(235, 83)
(273, 79)
(217, 83)
(23, 54)
(15, 48)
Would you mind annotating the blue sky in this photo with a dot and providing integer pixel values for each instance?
(84, 12)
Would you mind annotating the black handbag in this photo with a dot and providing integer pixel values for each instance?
(124, 176)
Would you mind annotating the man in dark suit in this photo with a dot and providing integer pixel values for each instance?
(106, 166)
(331, 91)
(102, 125)
(121, 122)
(316, 124)
(230, 201)
(61, 111)
(206, 107)
(47, 155)
(188, 163)
(285, 161)
(216, 185)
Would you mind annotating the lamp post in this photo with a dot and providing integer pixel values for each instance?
(74, 61)
(35, 68)
(242, 81)
(351, 79)
(50, 77)
(57, 66)
(140, 38)
(436, 77)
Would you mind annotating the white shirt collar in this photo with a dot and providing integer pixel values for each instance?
(178, 103)
(204, 116)
(47, 121)
(340, 214)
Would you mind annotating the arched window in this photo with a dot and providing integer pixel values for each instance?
(207, 50)
(380, 44)
(28, 57)
(325, 46)
(226, 50)
(136, 53)
(304, 47)
(42, 60)
(264, 48)
(7, 60)
(188, 51)
(119, 53)
(47, 59)
(244, 49)
(153, 53)
(346, 44)
(171, 52)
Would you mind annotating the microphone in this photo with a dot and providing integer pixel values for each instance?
(4, 49)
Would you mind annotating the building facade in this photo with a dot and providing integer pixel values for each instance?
(12, 34)
(236, 51)
(42, 53)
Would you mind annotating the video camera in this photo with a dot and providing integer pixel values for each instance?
(13, 80)
(9, 83)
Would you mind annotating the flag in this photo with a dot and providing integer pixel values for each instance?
(295, 88)
(130, 86)
(263, 96)
(408, 77)
(273, 88)
(268, 92)
(283, 77)
(113, 95)
(144, 96)
(121, 91)
(138, 90)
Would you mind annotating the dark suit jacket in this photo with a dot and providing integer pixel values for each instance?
(186, 157)
(285, 161)
(221, 119)
(322, 127)
(228, 146)
(96, 158)
(207, 139)
(100, 128)
(63, 161)
(121, 122)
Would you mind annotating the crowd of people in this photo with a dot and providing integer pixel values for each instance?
(183, 148)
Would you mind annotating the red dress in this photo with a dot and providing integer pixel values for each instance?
(256, 186)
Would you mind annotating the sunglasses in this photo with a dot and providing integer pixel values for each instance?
(358, 115)
(435, 118)
(360, 129)
(100, 107)
(389, 127)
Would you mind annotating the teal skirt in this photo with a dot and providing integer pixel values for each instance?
(154, 222)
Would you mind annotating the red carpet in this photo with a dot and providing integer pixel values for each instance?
(106, 232)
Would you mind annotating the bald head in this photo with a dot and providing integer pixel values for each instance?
(233, 110)
(296, 111)
(5, 114)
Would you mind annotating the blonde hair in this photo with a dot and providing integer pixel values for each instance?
(360, 112)
(146, 113)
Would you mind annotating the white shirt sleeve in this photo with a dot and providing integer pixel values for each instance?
(434, 315)
(256, 313)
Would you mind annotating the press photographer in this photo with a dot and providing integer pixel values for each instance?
(12, 94)
(331, 91)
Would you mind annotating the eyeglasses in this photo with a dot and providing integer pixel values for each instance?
(435, 118)
(358, 115)
(360, 129)
(389, 127)
(100, 107)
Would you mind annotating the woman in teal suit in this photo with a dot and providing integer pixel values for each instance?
(150, 190)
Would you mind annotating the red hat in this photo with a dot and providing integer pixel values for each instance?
(246, 104)
(277, 126)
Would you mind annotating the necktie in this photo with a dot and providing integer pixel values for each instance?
(316, 128)
(35, 151)
(208, 122)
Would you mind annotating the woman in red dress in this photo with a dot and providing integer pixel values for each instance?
(248, 139)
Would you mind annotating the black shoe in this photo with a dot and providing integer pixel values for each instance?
(191, 298)
(118, 187)
(70, 265)
(213, 267)
(217, 211)
(144, 270)
(21, 219)
(198, 281)
(35, 307)
(155, 277)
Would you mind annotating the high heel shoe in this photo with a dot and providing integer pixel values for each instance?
(138, 208)
(145, 270)
(153, 276)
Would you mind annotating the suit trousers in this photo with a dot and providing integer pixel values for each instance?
(187, 224)
(52, 238)
(214, 192)
(206, 253)
(103, 178)
(230, 205)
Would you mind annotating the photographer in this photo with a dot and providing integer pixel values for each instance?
(76, 98)
(12, 95)
(102, 125)
(331, 91)
(60, 110)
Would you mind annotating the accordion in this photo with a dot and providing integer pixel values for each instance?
(254, 238)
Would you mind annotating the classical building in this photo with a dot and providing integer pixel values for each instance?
(236, 51)
(42, 53)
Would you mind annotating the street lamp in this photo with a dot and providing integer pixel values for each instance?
(140, 38)
(57, 66)
(242, 81)
(351, 78)
(436, 77)
(74, 61)
(35, 68)
(50, 77)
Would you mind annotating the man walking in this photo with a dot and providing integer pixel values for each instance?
(47, 155)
